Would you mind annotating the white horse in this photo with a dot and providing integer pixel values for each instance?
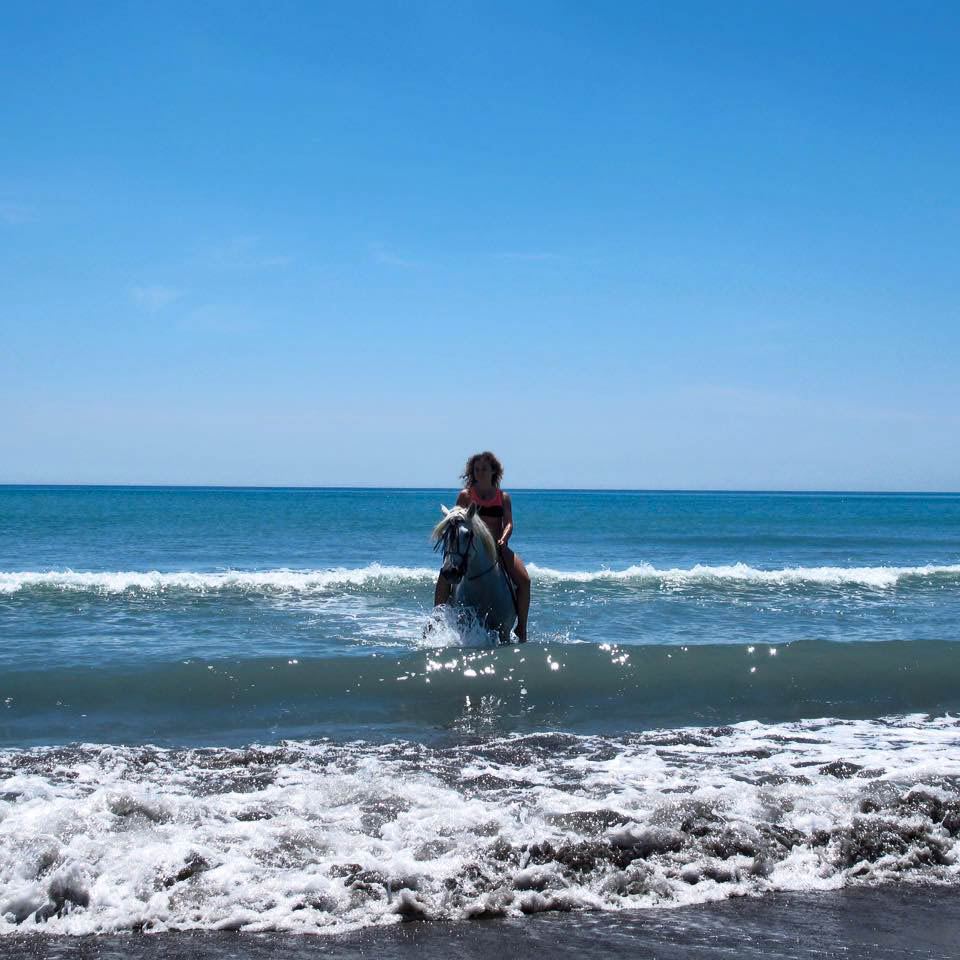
(471, 562)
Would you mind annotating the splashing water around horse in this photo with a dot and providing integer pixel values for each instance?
(470, 561)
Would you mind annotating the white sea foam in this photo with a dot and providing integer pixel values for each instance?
(881, 577)
(320, 837)
(385, 575)
(259, 581)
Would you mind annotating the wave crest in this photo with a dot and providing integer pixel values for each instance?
(376, 574)
(742, 572)
(258, 581)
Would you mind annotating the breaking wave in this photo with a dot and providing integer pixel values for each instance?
(239, 581)
(383, 576)
(321, 837)
(880, 577)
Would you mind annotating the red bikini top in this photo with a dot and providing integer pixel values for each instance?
(491, 507)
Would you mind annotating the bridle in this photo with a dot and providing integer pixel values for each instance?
(461, 568)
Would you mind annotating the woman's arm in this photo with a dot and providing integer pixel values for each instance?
(463, 498)
(507, 521)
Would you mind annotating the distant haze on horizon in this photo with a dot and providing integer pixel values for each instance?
(624, 246)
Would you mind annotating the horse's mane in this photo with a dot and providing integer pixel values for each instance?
(480, 529)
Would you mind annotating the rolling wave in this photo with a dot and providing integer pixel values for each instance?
(377, 576)
(591, 688)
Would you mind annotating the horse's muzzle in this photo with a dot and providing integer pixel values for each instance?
(451, 574)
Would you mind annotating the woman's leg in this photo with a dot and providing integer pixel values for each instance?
(521, 580)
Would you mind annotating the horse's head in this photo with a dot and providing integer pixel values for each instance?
(461, 533)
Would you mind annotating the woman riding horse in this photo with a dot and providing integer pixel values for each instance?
(482, 475)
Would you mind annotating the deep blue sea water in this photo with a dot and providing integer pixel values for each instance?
(219, 708)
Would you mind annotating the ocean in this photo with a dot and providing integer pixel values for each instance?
(220, 712)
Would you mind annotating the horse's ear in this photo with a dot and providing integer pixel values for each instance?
(444, 510)
(472, 510)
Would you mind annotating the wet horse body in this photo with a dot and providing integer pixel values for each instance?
(470, 561)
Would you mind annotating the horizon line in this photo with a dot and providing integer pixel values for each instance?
(372, 487)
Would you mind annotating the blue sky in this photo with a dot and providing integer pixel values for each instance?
(683, 245)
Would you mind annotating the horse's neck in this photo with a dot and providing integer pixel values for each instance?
(479, 560)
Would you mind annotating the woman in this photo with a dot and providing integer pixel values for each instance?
(482, 475)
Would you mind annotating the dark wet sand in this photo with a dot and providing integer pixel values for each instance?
(907, 922)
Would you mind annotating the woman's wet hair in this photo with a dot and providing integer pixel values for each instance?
(495, 465)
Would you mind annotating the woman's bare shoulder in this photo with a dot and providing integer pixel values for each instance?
(463, 498)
